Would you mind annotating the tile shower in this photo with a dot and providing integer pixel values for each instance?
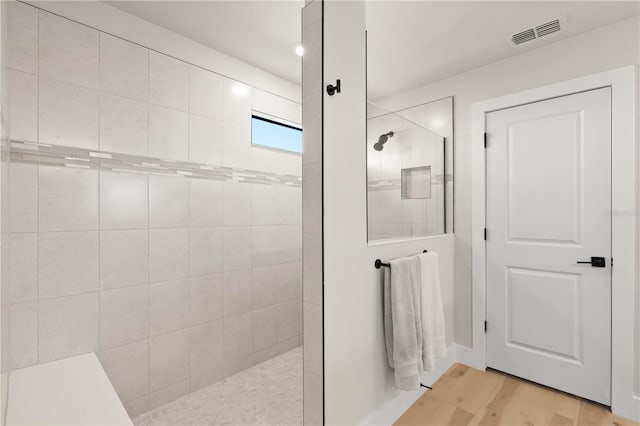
(141, 223)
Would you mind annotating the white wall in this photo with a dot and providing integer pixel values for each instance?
(605, 48)
(357, 378)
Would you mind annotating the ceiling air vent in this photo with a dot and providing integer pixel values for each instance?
(523, 36)
(548, 28)
(538, 31)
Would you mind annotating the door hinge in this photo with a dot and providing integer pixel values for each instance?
(485, 234)
(612, 262)
(485, 326)
(485, 139)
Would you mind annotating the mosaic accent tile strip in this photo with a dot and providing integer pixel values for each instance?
(386, 184)
(63, 156)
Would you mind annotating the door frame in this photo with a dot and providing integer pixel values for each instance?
(623, 222)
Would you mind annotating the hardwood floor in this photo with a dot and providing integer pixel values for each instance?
(466, 396)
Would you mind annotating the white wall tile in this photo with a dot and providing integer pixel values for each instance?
(124, 125)
(237, 248)
(123, 201)
(205, 140)
(23, 335)
(168, 394)
(124, 68)
(168, 201)
(264, 354)
(237, 364)
(22, 252)
(236, 145)
(205, 202)
(263, 207)
(237, 102)
(68, 51)
(289, 344)
(289, 319)
(206, 251)
(168, 81)
(205, 92)
(137, 406)
(168, 306)
(68, 263)
(264, 240)
(124, 316)
(237, 292)
(289, 242)
(68, 199)
(67, 326)
(313, 405)
(263, 159)
(289, 164)
(288, 205)
(168, 254)
(236, 204)
(128, 369)
(206, 294)
(312, 271)
(22, 37)
(276, 106)
(206, 355)
(168, 359)
(23, 198)
(124, 258)
(168, 133)
(68, 114)
(238, 335)
(265, 287)
(265, 326)
(313, 338)
(22, 106)
(289, 279)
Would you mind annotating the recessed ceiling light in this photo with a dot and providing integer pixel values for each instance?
(299, 50)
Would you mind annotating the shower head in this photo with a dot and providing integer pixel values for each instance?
(382, 139)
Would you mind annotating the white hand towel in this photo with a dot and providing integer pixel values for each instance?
(434, 344)
(402, 323)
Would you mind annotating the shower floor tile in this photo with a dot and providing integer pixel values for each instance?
(267, 394)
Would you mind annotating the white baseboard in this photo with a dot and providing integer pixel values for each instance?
(629, 410)
(395, 406)
(467, 356)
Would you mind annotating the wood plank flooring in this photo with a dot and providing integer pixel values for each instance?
(466, 396)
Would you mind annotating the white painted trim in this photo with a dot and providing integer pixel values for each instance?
(622, 82)
(106, 18)
(400, 401)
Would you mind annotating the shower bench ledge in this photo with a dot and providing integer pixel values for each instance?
(70, 391)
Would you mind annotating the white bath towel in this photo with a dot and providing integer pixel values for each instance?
(434, 344)
(402, 322)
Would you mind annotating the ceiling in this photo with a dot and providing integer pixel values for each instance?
(410, 43)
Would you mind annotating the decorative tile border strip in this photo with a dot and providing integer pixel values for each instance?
(386, 184)
(64, 156)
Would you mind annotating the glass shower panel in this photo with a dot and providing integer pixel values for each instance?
(405, 177)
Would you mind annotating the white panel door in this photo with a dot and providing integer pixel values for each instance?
(548, 207)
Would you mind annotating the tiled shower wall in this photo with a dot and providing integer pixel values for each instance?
(176, 280)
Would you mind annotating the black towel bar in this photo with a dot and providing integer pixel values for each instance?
(379, 263)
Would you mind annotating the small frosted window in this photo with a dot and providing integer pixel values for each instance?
(416, 183)
(271, 134)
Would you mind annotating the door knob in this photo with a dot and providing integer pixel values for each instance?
(596, 262)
